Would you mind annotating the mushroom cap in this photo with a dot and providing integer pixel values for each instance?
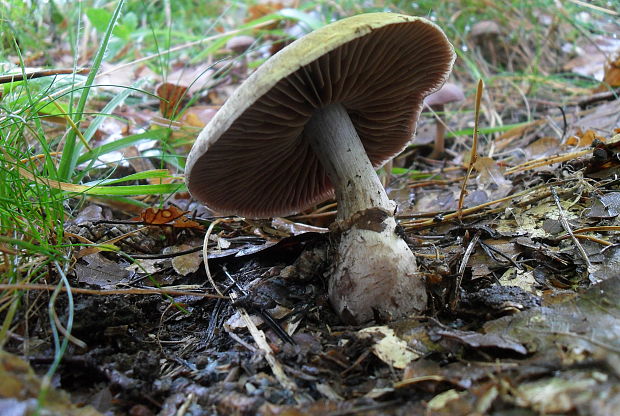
(252, 159)
(485, 27)
(448, 93)
(240, 43)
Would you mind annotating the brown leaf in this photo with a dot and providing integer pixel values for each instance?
(259, 10)
(477, 340)
(198, 115)
(158, 216)
(612, 75)
(172, 214)
(584, 139)
(184, 222)
(20, 388)
(171, 98)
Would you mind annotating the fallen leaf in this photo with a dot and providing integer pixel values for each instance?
(260, 10)
(295, 228)
(172, 97)
(584, 139)
(557, 394)
(186, 263)
(20, 388)
(545, 146)
(612, 75)
(198, 115)
(96, 270)
(606, 206)
(388, 347)
(477, 340)
(160, 216)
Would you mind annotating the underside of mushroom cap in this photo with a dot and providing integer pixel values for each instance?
(252, 159)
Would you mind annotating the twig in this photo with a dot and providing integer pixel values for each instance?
(357, 362)
(96, 248)
(594, 7)
(593, 239)
(242, 342)
(601, 96)
(188, 401)
(414, 380)
(459, 278)
(474, 147)
(463, 212)
(531, 164)
(566, 226)
(166, 255)
(205, 255)
(266, 316)
(106, 292)
(499, 253)
(40, 74)
(595, 229)
(416, 224)
(564, 124)
(261, 342)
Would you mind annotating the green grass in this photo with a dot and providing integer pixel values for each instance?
(39, 175)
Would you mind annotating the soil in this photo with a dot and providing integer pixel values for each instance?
(152, 354)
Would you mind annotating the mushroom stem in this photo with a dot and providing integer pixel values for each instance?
(339, 148)
(440, 136)
(373, 272)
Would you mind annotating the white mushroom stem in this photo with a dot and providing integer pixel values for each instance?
(337, 144)
(373, 269)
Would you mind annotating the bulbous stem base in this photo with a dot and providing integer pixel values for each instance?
(373, 273)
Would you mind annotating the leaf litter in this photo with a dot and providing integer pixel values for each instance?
(523, 312)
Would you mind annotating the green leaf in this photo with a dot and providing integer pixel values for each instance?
(100, 18)
(312, 22)
(72, 148)
(485, 130)
(147, 174)
(56, 14)
(49, 109)
(123, 143)
(130, 21)
(165, 188)
(413, 174)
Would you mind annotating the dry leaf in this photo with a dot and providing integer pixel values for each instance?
(584, 139)
(160, 216)
(612, 75)
(260, 10)
(198, 115)
(172, 97)
(186, 263)
(389, 348)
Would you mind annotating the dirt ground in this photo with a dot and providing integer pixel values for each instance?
(517, 322)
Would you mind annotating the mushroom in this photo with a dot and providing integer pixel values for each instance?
(316, 119)
(240, 44)
(486, 35)
(448, 93)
